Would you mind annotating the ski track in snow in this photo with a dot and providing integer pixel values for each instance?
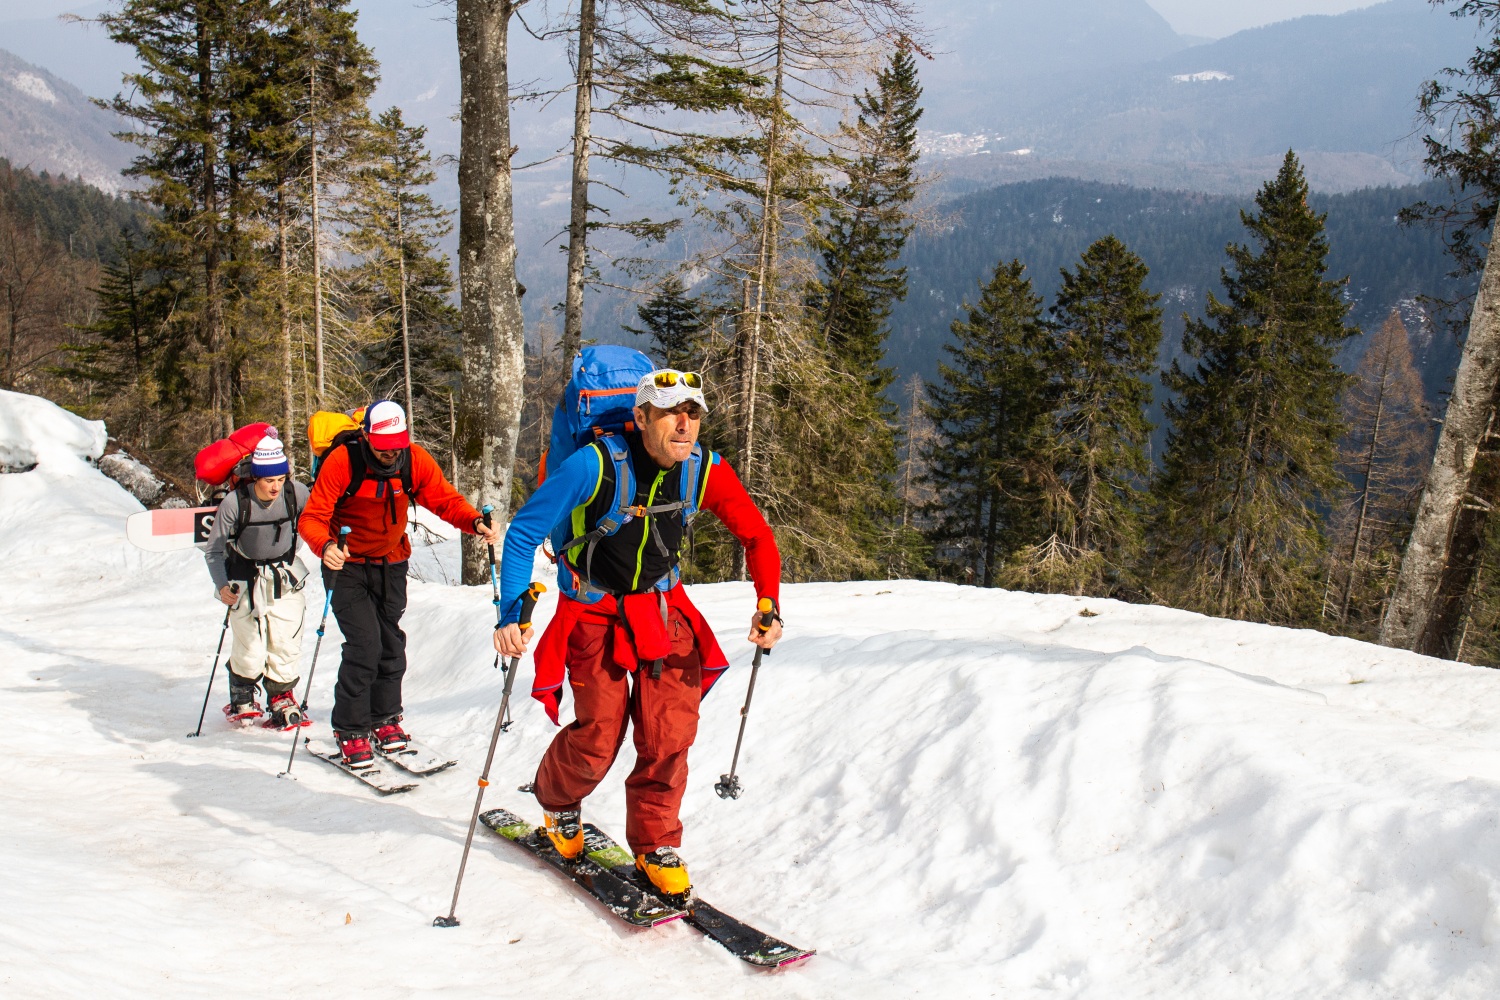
(948, 792)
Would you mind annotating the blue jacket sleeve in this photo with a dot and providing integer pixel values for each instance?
(567, 487)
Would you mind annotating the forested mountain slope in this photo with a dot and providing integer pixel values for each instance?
(1181, 236)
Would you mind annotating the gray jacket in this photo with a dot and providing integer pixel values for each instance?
(262, 540)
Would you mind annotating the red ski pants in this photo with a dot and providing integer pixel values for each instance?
(662, 713)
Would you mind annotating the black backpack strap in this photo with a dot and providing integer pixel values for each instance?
(357, 467)
(242, 512)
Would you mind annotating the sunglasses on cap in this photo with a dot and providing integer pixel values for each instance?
(669, 377)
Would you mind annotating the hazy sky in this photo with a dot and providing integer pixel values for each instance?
(1217, 18)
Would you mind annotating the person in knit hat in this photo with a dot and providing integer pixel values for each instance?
(252, 558)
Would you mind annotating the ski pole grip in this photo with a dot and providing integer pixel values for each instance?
(528, 604)
(487, 510)
(344, 537)
(767, 614)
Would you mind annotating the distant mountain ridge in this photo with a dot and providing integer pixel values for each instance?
(1342, 86)
(48, 124)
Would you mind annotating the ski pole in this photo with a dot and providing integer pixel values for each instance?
(487, 510)
(215, 671)
(322, 625)
(728, 785)
(528, 604)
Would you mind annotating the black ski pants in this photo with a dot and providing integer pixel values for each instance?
(368, 601)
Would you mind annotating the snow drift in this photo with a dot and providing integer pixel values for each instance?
(949, 792)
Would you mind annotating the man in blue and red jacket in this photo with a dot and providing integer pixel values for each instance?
(634, 649)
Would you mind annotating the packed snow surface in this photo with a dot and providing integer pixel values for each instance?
(949, 792)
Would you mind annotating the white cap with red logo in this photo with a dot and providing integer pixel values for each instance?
(385, 426)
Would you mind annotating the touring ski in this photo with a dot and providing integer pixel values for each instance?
(621, 897)
(385, 784)
(416, 758)
(743, 941)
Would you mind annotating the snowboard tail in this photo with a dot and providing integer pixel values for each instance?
(168, 529)
(624, 899)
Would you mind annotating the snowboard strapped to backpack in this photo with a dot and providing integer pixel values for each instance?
(215, 464)
(596, 408)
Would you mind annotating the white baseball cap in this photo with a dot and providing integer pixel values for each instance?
(668, 387)
(385, 426)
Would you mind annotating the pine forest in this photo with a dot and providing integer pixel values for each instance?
(1227, 405)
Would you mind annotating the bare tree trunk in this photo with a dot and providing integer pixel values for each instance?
(578, 220)
(1416, 604)
(220, 404)
(317, 240)
(452, 438)
(284, 308)
(765, 255)
(990, 531)
(1364, 504)
(494, 364)
(411, 413)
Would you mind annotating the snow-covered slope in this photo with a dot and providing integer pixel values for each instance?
(949, 792)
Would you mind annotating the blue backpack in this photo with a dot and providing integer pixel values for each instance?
(597, 400)
(596, 406)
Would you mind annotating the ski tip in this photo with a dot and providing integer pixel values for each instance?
(795, 959)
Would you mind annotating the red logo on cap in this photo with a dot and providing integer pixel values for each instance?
(384, 424)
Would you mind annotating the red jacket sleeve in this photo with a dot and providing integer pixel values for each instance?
(433, 491)
(726, 497)
(316, 523)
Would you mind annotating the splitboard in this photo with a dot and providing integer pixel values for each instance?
(622, 898)
(417, 758)
(383, 782)
(743, 941)
(167, 529)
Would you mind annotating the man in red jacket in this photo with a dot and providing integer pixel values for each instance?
(367, 484)
(635, 650)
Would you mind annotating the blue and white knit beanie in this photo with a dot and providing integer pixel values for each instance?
(269, 459)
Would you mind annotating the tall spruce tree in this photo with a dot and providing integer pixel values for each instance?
(867, 225)
(195, 101)
(860, 240)
(1107, 328)
(987, 408)
(673, 320)
(1254, 428)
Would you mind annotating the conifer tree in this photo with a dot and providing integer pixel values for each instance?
(194, 101)
(1107, 328)
(673, 321)
(1383, 458)
(868, 223)
(860, 239)
(403, 281)
(131, 351)
(1254, 428)
(987, 408)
